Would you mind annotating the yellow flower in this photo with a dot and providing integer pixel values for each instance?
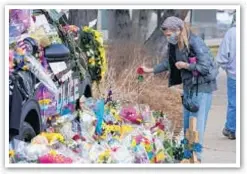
(113, 111)
(160, 156)
(103, 137)
(44, 101)
(86, 28)
(133, 143)
(20, 51)
(11, 153)
(91, 60)
(148, 147)
(51, 137)
(25, 68)
(104, 156)
(53, 152)
(97, 35)
(126, 129)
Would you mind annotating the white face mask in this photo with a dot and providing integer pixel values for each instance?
(172, 39)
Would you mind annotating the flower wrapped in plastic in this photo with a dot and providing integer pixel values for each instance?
(141, 155)
(20, 21)
(54, 157)
(71, 153)
(66, 131)
(87, 122)
(73, 30)
(11, 156)
(37, 69)
(85, 150)
(130, 114)
(146, 114)
(53, 137)
(41, 37)
(33, 151)
(39, 139)
(11, 61)
(18, 147)
(159, 151)
(100, 153)
(120, 153)
(19, 59)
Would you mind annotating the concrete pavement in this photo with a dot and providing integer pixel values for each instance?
(218, 149)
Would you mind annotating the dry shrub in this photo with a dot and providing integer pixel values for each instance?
(123, 61)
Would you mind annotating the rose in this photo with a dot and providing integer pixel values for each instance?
(140, 71)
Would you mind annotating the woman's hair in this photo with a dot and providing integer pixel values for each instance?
(183, 38)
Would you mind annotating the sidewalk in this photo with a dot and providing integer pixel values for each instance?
(220, 149)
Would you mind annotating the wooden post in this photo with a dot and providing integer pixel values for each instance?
(192, 136)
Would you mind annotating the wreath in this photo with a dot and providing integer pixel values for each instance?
(91, 42)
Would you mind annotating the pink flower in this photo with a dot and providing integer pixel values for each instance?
(49, 158)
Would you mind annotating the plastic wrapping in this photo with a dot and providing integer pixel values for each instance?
(39, 139)
(37, 69)
(146, 114)
(100, 153)
(53, 137)
(18, 146)
(11, 61)
(41, 37)
(87, 120)
(141, 155)
(20, 21)
(84, 150)
(130, 114)
(34, 151)
(66, 131)
(120, 152)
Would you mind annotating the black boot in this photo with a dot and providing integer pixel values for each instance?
(229, 134)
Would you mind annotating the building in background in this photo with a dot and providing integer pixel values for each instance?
(211, 24)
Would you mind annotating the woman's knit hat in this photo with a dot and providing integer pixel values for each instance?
(172, 23)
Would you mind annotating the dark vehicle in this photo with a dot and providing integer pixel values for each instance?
(31, 102)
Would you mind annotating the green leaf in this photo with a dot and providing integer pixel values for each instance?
(140, 78)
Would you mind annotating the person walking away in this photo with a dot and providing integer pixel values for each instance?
(226, 59)
(190, 63)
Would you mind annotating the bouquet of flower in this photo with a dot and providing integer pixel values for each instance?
(54, 157)
(130, 114)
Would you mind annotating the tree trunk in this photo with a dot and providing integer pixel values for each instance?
(140, 22)
(82, 18)
(119, 25)
(156, 43)
(159, 17)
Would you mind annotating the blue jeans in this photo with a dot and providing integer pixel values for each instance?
(204, 100)
(231, 110)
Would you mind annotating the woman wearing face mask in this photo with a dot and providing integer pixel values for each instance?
(190, 63)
